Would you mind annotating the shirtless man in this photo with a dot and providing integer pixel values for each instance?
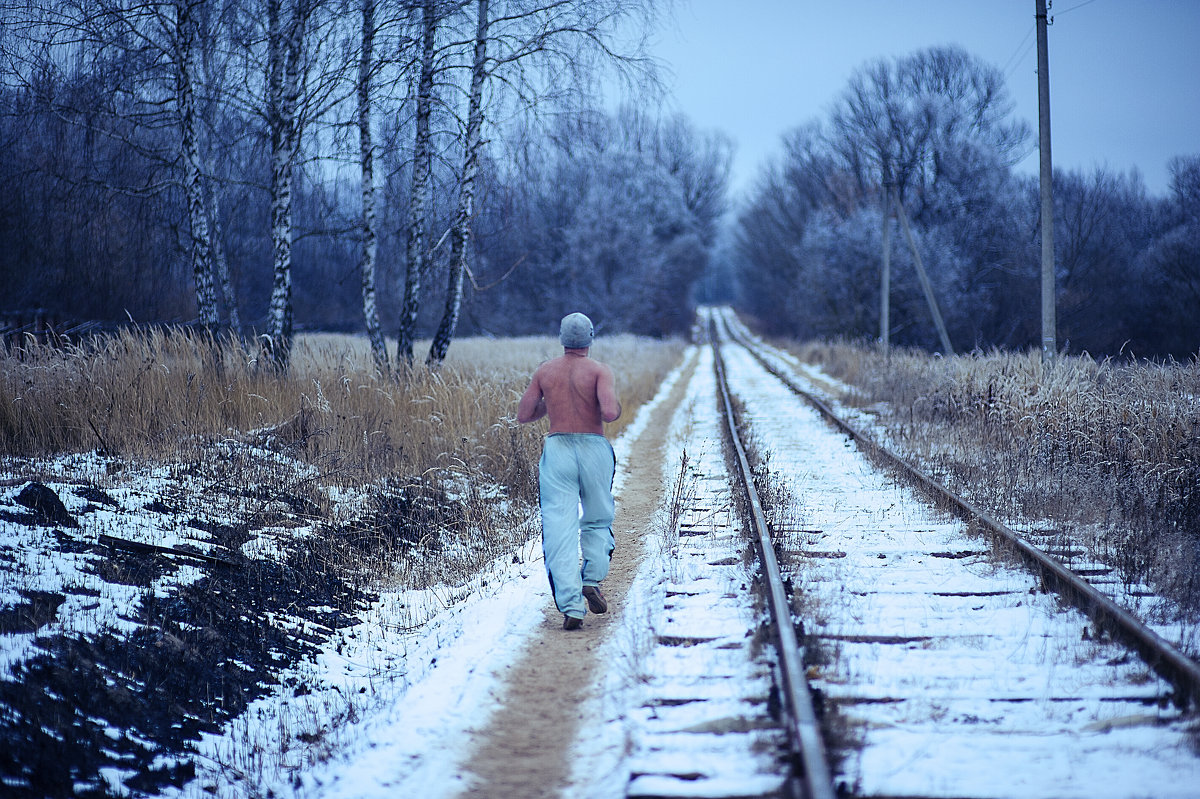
(576, 469)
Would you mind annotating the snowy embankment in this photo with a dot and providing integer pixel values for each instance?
(377, 692)
(111, 618)
(949, 671)
(1160, 614)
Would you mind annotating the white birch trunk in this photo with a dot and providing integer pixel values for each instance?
(201, 250)
(370, 242)
(421, 180)
(283, 50)
(460, 234)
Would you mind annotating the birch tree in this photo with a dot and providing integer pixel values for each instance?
(220, 262)
(185, 31)
(542, 52)
(460, 233)
(284, 37)
(422, 182)
(369, 236)
(214, 56)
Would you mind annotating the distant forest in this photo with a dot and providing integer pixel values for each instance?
(428, 169)
(936, 127)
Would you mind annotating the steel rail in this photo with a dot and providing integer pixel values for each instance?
(808, 750)
(1171, 663)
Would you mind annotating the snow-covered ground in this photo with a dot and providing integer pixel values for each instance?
(1021, 706)
(413, 739)
(1159, 614)
(954, 673)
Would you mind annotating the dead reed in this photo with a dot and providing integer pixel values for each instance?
(1107, 451)
(220, 420)
(162, 395)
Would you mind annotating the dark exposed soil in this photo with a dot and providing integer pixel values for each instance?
(136, 702)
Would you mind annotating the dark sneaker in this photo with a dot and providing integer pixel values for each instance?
(596, 601)
(572, 623)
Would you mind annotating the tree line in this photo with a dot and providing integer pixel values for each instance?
(934, 132)
(408, 168)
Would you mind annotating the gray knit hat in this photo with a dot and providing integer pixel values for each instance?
(576, 332)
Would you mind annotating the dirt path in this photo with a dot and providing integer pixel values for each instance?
(523, 750)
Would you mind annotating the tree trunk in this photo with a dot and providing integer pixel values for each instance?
(421, 184)
(460, 234)
(367, 149)
(206, 298)
(220, 264)
(283, 48)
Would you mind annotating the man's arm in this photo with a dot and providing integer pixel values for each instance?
(606, 393)
(533, 404)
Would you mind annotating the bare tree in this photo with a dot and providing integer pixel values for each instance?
(305, 77)
(907, 121)
(540, 52)
(285, 35)
(220, 262)
(184, 52)
(370, 239)
(460, 234)
(422, 181)
(154, 42)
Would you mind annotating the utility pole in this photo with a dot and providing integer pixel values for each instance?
(885, 280)
(1049, 336)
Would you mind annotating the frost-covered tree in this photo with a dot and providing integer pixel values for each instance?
(924, 121)
(773, 225)
(932, 129)
(1167, 321)
(526, 56)
(611, 228)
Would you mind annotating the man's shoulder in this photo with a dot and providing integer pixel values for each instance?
(549, 369)
(594, 366)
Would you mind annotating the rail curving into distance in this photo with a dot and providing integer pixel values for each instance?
(812, 777)
(1159, 654)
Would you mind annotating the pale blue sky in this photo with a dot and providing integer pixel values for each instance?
(1124, 74)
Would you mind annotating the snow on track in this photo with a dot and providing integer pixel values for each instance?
(954, 673)
(702, 726)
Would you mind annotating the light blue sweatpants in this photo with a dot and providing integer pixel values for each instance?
(575, 476)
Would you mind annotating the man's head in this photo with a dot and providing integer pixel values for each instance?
(576, 332)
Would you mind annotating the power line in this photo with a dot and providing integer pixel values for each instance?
(1018, 53)
(1026, 44)
(1018, 58)
(1072, 8)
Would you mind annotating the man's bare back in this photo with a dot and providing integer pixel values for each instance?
(577, 393)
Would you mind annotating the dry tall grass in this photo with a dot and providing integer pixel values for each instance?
(158, 395)
(1108, 451)
(439, 460)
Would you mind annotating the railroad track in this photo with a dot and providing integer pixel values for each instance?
(724, 715)
(942, 662)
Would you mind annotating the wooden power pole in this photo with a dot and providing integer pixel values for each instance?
(885, 278)
(1049, 336)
